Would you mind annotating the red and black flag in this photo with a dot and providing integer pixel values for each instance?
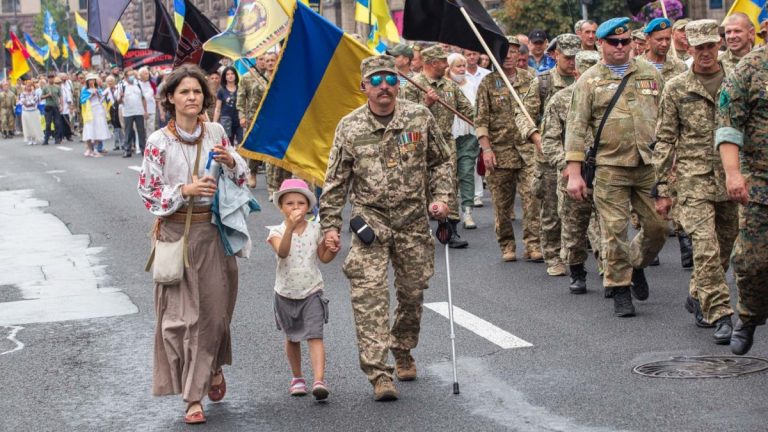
(442, 21)
(165, 38)
(196, 30)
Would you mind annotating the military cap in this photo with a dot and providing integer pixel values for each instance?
(612, 27)
(638, 34)
(569, 44)
(513, 40)
(703, 31)
(585, 59)
(377, 63)
(680, 24)
(537, 35)
(657, 24)
(552, 44)
(434, 52)
(401, 50)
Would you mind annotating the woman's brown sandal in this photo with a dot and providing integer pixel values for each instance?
(195, 417)
(217, 391)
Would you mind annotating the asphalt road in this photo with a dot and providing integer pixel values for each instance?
(61, 372)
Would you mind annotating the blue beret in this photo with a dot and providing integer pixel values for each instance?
(657, 24)
(614, 26)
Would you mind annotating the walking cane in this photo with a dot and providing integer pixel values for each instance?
(444, 231)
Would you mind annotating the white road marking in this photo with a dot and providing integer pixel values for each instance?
(55, 172)
(135, 168)
(63, 148)
(12, 337)
(58, 179)
(479, 326)
(57, 273)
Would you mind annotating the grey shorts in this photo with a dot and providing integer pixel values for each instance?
(301, 319)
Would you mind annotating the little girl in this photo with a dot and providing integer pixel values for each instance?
(300, 308)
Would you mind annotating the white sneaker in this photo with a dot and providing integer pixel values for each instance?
(478, 202)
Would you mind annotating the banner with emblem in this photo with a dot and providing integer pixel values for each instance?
(256, 26)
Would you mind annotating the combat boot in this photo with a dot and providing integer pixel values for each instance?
(693, 306)
(405, 365)
(469, 222)
(742, 338)
(534, 256)
(622, 302)
(639, 284)
(456, 242)
(686, 250)
(384, 389)
(556, 268)
(723, 330)
(508, 253)
(578, 279)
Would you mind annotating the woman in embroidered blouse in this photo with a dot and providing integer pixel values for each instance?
(192, 336)
(30, 116)
(95, 127)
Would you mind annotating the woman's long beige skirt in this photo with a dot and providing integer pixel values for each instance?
(192, 337)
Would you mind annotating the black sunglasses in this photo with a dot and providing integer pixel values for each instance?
(617, 42)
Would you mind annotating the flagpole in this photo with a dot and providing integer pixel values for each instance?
(494, 61)
(440, 101)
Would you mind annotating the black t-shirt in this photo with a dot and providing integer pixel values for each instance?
(228, 102)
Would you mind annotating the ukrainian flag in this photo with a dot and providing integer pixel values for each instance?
(316, 84)
(38, 53)
(754, 9)
(179, 9)
(377, 12)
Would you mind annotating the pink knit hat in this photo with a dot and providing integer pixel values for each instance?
(294, 185)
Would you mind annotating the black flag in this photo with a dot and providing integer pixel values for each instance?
(442, 21)
(196, 30)
(165, 38)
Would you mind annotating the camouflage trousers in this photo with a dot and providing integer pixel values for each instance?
(545, 189)
(579, 223)
(503, 184)
(750, 263)
(275, 176)
(7, 121)
(616, 189)
(453, 204)
(413, 258)
(713, 227)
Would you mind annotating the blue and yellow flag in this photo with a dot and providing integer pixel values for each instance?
(38, 53)
(51, 35)
(754, 9)
(257, 26)
(179, 9)
(316, 84)
(377, 14)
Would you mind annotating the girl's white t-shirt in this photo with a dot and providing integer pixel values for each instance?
(298, 275)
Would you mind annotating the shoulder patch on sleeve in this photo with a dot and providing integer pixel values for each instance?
(725, 98)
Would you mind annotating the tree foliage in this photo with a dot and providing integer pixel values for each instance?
(59, 14)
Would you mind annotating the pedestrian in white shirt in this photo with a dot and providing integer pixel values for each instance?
(148, 90)
(134, 106)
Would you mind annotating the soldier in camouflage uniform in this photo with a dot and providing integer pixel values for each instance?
(432, 77)
(739, 37)
(658, 33)
(679, 39)
(639, 43)
(742, 138)
(545, 86)
(507, 142)
(685, 131)
(624, 174)
(250, 91)
(574, 215)
(392, 155)
(7, 108)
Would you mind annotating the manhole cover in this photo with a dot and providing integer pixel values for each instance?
(702, 367)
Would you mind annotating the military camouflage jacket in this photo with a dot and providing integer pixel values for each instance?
(390, 170)
(553, 128)
(729, 60)
(7, 101)
(630, 128)
(682, 55)
(673, 67)
(449, 92)
(250, 90)
(500, 119)
(549, 82)
(685, 131)
(742, 119)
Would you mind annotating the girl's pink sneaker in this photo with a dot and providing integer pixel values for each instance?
(298, 387)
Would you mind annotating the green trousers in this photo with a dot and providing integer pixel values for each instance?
(466, 155)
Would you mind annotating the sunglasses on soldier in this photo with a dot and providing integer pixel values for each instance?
(615, 42)
(376, 80)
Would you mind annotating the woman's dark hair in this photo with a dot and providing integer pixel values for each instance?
(224, 75)
(174, 79)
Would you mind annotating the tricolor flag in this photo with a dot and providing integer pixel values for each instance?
(76, 59)
(316, 83)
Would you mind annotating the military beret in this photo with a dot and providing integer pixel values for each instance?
(513, 40)
(401, 50)
(585, 59)
(434, 52)
(701, 32)
(657, 24)
(612, 27)
(377, 63)
(680, 24)
(569, 44)
(638, 34)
